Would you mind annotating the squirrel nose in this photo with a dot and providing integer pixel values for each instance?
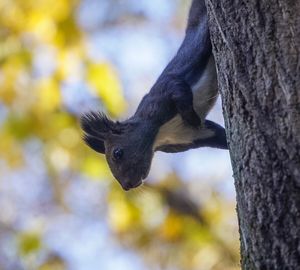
(127, 185)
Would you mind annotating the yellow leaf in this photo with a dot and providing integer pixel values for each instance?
(29, 242)
(49, 96)
(19, 127)
(172, 228)
(7, 94)
(10, 71)
(106, 84)
(12, 16)
(95, 167)
(69, 137)
(10, 150)
(119, 216)
(59, 10)
(9, 47)
(48, 124)
(42, 25)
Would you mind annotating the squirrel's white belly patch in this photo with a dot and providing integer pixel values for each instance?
(205, 93)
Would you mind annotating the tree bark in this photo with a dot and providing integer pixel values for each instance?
(256, 46)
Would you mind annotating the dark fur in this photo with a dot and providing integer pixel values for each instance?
(170, 95)
(172, 89)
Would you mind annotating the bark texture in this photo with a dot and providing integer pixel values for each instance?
(256, 46)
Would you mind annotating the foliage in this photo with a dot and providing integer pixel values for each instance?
(44, 56)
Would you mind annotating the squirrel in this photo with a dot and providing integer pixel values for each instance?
(171, 117)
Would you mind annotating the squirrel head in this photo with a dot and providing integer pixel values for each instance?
(127, 145)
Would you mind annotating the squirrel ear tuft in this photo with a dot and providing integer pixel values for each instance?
(94, 143)
(97, 124)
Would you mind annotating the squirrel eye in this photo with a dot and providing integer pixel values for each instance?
(118, 153)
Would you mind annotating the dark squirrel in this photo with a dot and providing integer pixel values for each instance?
(171, 117)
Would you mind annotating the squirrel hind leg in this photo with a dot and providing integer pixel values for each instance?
(212, 135)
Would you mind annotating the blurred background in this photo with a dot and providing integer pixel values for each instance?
(60, 207)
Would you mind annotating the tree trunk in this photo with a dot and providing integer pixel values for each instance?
(256, 46)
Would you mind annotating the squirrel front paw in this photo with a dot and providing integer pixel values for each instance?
(182, 97)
